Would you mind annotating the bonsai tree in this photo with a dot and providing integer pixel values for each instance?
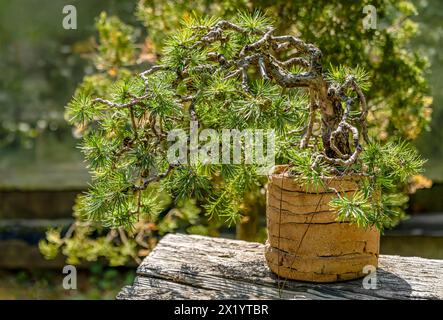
(226, 75)
(233, 74)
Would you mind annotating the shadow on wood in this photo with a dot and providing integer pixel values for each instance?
(196, 267)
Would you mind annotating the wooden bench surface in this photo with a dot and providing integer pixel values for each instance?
(197, 267)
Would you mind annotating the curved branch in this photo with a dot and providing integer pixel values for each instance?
(258, 44)
(350, 82)
(158, 177)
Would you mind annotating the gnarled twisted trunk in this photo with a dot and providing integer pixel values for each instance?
(331, 112)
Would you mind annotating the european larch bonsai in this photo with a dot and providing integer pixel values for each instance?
(238, 74)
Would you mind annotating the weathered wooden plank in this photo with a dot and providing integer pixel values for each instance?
(196, 267)
(158, 289)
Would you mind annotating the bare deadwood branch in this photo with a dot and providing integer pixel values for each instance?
(312, 110)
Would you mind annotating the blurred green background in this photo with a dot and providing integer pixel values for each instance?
(41, 170)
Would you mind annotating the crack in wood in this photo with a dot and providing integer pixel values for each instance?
(243, 274)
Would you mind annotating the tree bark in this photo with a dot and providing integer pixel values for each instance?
(331, 115)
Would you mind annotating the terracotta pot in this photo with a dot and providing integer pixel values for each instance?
(305, 242)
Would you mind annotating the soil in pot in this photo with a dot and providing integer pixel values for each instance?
(305, 242)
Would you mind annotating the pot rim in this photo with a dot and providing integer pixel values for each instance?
(280, 170)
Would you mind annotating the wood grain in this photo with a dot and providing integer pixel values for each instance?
(197, 267)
